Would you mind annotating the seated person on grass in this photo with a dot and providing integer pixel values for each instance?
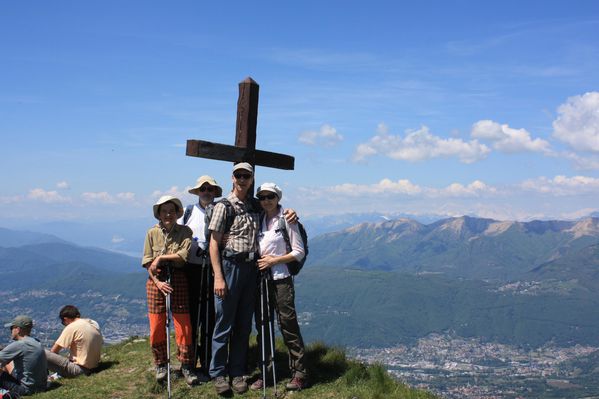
(83, 339)
(23, 369)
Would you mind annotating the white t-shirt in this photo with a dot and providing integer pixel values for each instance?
(196, 222)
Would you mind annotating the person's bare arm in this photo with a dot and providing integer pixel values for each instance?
(220, 285)
(56, 348)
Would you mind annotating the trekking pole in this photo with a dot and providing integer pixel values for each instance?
(168, 334)
(263, 320)
(271, 332)
(198, 337)
(207, 327)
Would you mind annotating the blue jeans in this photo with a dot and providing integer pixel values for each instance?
(233, 320)
(12, 385)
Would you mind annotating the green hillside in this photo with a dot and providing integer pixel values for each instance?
(126, 372)
(378, 308)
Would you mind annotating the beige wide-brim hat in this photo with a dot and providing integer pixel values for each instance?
(203, 180)
(168, 198)
(271, 187)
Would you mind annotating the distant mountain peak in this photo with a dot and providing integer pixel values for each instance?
(396, 226)
(585, 227)
(463, 226)
(497, 228)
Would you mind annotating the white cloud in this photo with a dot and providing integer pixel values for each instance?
(405, 187)
(62, 185)
(104, 197)
(5, 200)
(578, 214)
(581, 162)
(577, 123)
(385, 186)
(117, 239)
(561, 185)
(174, 191)
(98, 197)
(507, 139)
(419, 145)
(474, 189)
(49, 197)
(327, 136)
(126, 197)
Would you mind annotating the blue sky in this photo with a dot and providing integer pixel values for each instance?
(414, 107)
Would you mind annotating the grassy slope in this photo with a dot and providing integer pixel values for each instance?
(126, 372)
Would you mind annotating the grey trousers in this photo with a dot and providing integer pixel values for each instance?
(63, 366)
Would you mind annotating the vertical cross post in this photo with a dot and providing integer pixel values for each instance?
(244, 149)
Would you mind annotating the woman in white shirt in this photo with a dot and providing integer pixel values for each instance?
(274, 254)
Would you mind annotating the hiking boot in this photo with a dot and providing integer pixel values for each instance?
(221, 385)
(190, 376)
(239, 385)
(202, 378)
(161, 373)
(297, 384)
(257, 385)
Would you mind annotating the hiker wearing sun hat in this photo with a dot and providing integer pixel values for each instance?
(199, 271)
(280, 243)
(23, 366)
(166, 250)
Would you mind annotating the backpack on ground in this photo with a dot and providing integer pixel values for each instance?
(294, 266)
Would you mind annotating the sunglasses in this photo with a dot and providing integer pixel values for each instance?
(267, 196)
(245, 176)
(206, 188)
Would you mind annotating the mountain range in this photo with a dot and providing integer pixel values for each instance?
(464, 247)
(372, 284)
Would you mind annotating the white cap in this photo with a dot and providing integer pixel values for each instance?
(271, 187)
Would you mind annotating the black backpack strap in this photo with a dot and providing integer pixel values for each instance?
(229, 214)
(187, 214)
(282, 227)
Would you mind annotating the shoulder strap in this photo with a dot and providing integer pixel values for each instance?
(229, 213)
(282, 227)
(187, 214)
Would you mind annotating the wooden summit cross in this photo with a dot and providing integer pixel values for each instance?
(244, 149)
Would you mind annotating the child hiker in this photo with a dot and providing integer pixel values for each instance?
(166, 249)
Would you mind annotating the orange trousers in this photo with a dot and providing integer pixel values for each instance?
(158, 337)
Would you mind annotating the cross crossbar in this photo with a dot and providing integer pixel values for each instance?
(223, 152)
(244, 149)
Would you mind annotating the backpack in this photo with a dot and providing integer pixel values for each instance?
(295, 266)
(229, 212)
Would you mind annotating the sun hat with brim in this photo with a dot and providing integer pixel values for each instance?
(270, 187)
(203, 180)
(168, 198)
(244, 166)
(21, 321)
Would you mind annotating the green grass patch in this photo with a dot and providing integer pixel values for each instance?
(126, 372)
